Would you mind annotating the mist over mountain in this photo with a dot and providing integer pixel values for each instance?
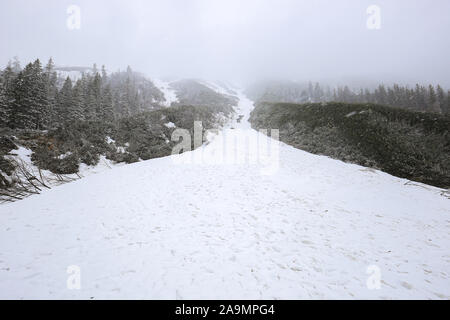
(237, 40)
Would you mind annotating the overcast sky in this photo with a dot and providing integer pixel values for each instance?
(236, 39)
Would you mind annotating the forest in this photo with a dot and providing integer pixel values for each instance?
(422, 98)
(36, 98)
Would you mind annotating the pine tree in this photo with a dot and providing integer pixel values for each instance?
(130, 96)
(367, 95)
(107, 109)
(50, 79)
(433, 104)
(29, 98)
(64, 104)
(18, 116)
(6, 95)
(447, 109)
(104, 75)
(84, 97)
(40, 109)
(419, 97)
(16, 68)
(4, 110)
(382, 95)
(96, 96)
(441, 98)
(7, 87)
(78, 98)
(93, 97)
(310, 91)
(318, 93)
(347, 95)
(431, 95)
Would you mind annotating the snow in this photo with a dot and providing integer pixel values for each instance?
(170, 125)
(110, 140)
(65, 155)
(103, 165)
(21, 153)
(169, 93)
(73, 75)
(167, 229)
(215, 87)
(23, 156)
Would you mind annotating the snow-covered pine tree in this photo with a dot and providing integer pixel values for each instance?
(30, 98)
(104, 75)
(107, 109)
(347, 94)
(367, 96)
(39, 109)
(433, 104)
(94, 69)
(78, 98)
(50, 78)
(382, 95)
(91, 98)
(441, 98)
(4, 110)
(15, 65)
(22, 113)
(318, 93)
(420, 97)
(83, 97)
(95, 92)
(7, 88)
(64, 104)
(131, 93)
(447, 111)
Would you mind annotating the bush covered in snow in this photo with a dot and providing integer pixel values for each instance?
(404, 143)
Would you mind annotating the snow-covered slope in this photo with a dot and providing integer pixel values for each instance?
(169, 93)
(167, 228)
(74, 73)
(21, 157)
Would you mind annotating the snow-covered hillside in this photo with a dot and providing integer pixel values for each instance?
(169, 93)
(74, 73)
(177, 228)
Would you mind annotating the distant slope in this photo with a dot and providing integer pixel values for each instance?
(407, 144)
(74, 73)
(170, 95)
(143, 135)
(193, 92)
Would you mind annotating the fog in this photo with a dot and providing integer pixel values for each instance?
(237, 39)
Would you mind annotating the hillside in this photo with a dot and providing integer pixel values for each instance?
(68, 118)
(404, 143)
(171, 228)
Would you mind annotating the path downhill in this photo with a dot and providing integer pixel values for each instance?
(160, 229)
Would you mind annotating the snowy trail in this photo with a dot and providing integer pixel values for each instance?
(163, 230)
